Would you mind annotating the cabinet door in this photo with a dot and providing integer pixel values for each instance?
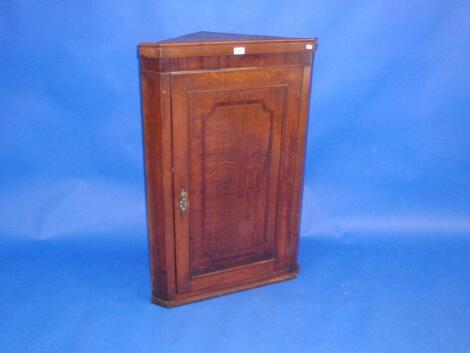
(234, 145)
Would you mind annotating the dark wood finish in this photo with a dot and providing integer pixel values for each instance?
(230, 131)
(210, 44)
(225, 62)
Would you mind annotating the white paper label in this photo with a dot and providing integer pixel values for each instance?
(309, 46)
(239, 50)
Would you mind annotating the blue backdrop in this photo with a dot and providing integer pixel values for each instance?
(386, 217)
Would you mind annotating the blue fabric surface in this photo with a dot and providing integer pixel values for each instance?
(353, 294)
(386, 216)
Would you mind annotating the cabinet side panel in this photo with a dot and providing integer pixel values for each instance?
(300, 166)
(159, 185)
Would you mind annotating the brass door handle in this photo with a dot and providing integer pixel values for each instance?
(184, 202)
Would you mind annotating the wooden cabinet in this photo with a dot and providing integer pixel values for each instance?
(225, 122)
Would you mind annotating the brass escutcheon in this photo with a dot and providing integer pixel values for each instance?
(184, 200)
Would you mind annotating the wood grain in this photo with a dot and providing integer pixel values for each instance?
(230, 131)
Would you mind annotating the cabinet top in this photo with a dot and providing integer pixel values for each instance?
(216, 44)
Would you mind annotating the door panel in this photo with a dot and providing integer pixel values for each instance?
(230, 130)
(234, 163)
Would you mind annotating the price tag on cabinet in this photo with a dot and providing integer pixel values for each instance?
(238, 50)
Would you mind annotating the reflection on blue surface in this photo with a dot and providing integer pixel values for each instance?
(354, 294)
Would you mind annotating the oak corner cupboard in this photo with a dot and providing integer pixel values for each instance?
(225, 123)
